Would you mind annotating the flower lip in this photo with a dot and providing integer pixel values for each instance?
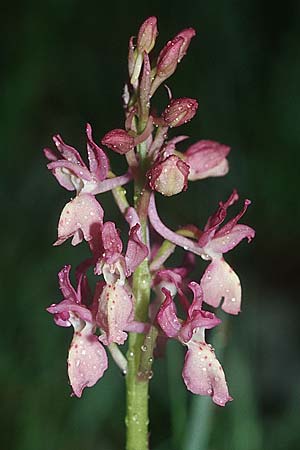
(81, 218)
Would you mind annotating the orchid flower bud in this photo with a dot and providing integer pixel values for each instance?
(171, 55)
(119, 141)
(147, 35)
(169, 177)
(180, 111)
(187, 35)
(167, 61)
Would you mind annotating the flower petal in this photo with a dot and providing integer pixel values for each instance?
(81, 218)
(69, 153)
(115, 312)
(166, 316)
(215, 220)
(136, 250)
(66, 288)
(206, 159)
(203, 374)
(225, 242)
(87, 360)
(111, 242)
(68, 306)
(98, 161)
(220, 281)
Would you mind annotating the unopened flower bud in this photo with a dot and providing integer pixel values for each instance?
(147, 35)
(180, 111)
(168, 58)
(169, 177)
(167, 61)
(119, 141)
(187, 36)
(207, 159)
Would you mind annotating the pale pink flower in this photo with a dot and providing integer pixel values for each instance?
(202, 372)
(87, 358)
(115, 313)
(72, 173)
(219, 280)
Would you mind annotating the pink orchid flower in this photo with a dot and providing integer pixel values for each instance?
(202, 372)
(219, 280)
(87, 360)
(72, 173)
(115, 299)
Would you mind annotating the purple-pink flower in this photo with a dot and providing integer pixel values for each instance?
(219, 280)
(72, 173)
(202, 372)
(87, 360)
(115, 312)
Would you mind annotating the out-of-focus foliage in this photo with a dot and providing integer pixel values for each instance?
(63, 64)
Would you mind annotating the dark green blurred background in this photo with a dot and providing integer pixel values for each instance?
(63, 64)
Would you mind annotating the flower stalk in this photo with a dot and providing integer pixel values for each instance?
(137, 387)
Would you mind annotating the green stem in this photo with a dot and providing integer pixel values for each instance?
(137, 387)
